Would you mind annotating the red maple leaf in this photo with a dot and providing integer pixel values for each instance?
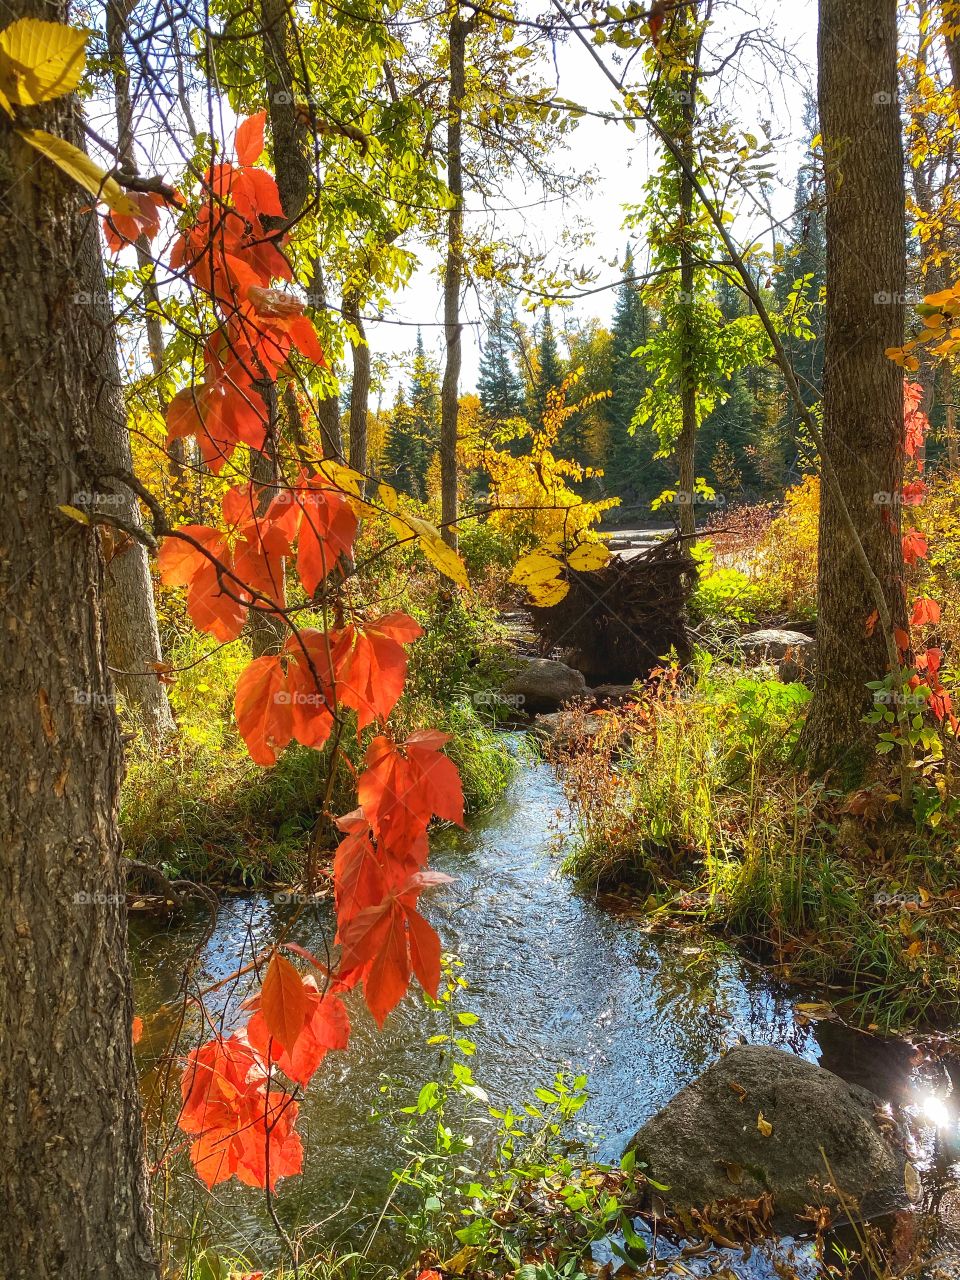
(325, 1026)
(404, 786)
(370, 665)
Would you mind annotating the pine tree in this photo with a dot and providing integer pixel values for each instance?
(631, 469)
(498, 384)
(549, 372)
(414, 434)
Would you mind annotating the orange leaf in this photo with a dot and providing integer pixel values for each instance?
(283, 1002)
(262, 708)
(249, 139)
(924, 611)
(371, 666)
(326, 1026)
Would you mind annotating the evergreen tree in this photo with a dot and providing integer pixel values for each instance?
(414, 434)
(498, 384)
(549, 372)
(631, 469)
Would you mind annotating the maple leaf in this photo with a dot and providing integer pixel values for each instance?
(283, 1002)
(385, 943)
(326, 1027)
(248, 142)
(182, 564)
(370, 665)
(359, 878)
(914, 546)
(327, 529)
(310, 685)
(242, 1129)
(262, 707)
(404, 786)
(121, 229)
(924, 611)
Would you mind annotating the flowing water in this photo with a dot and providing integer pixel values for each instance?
(557, 982)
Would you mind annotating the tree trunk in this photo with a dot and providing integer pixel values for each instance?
(453, 280)
(862, 390)
(687, 440)
(133, 636)
(72, 1178)
(360, 391)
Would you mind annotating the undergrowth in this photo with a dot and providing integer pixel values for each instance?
(198, 807)
(692, 798)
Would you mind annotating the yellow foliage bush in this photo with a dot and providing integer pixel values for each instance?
(533, 499)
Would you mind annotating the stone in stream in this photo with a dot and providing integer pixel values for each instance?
(773, 643)
(544, 685)
(709, 1144)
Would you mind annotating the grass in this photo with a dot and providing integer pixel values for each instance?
(200, 809)
(692, 800)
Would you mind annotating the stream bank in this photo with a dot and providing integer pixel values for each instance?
(557, 983)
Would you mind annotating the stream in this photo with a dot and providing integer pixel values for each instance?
(558, 983)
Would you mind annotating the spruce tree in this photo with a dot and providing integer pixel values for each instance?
(498, 384)
(631, 469)
(414, 434)
(549, 372)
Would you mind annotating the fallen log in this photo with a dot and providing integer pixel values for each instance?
(618, 623)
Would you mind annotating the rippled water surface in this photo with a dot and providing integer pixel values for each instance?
(558, 983)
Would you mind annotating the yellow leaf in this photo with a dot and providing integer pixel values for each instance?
(78, 165)
(547, 594)
(74, 513)
(438, 553)
(388, 496)
(819, 1010)
(765, 1127)
(535, 568)
(407, 527)
(588, 556)
(40, 61)
(461, 1262)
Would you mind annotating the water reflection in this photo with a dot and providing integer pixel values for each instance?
(558, 983)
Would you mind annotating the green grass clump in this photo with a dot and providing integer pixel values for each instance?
(693, 798)
(199, 808)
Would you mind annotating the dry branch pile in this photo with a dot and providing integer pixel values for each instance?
(616, 624)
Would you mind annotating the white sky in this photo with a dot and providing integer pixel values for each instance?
(620, 160)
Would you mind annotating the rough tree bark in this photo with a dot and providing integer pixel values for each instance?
(360, 389)
(863, 390)
(72, 1179)
(453, 278)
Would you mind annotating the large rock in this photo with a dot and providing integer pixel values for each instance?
(773, 643)
(706, 1144)
(544, 685)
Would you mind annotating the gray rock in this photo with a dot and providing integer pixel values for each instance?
(705, 1144)
(544, 685)
(614, 693)
(774, 644)
(566, 728)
